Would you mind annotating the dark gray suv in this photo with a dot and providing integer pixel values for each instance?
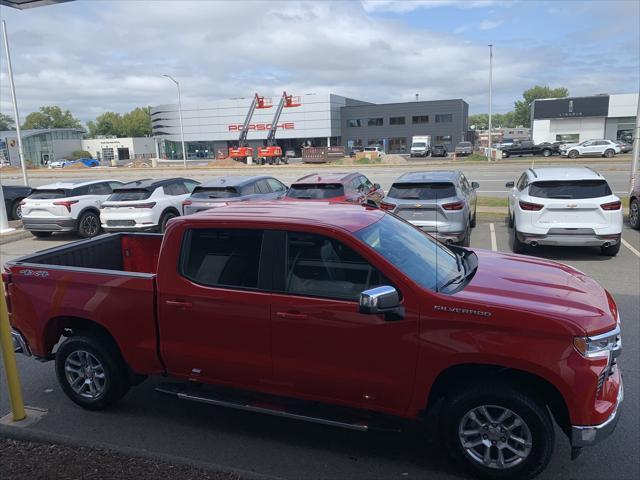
(442, 203)
(223, 190)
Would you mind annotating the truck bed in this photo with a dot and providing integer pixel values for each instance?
(107, 281)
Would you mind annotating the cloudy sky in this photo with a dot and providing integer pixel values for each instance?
(92, 56)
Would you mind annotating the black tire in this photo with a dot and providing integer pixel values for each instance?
(546, 152)
(41, 234)
(466, 240)
(611, 250)
(166, 216)
(516, 245)
(89, 225)
(510, 218)
(573, 154)
(472, 222)
(634, 214)
(115, 379)
(505, 154)
(16, 210)
(530, 411)
(609, 153)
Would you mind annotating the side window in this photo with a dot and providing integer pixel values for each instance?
(99, 189)
(113, 185)
(275, 185)
(319, 266)
(79, 191)
(190, 184)
(222, 257)
(464, 184)
(522, 182)
(367, 185)
(261, 186)
(175, 188)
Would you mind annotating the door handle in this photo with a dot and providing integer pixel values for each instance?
(292, 316)
(177, 303)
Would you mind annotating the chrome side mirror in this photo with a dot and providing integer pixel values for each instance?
(381, 300)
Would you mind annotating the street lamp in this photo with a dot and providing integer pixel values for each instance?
(490, 97)
(184, 151)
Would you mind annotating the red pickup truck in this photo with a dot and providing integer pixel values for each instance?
(332, 313)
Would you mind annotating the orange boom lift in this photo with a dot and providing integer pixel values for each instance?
(242, 151)
(272, 153)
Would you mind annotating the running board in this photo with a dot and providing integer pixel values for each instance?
(206, 397)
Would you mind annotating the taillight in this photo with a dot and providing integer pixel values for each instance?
(611, 205)
(186, 202)
(387, 206)
(453, 206)
(66, 203)
(144, 205)
(530, 206)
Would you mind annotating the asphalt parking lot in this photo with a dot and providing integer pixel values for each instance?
(289, 449)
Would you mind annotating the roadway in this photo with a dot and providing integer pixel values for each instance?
(491, 176)
(280, 448)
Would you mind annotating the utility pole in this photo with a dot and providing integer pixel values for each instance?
(184, 151)
(636, 149)
(16, 117)
(490, 96)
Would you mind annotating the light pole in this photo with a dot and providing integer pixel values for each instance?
(16, 117)
(490, 97)
(184, 151)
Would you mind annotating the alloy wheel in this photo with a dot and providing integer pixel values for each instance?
(495, 437)
(90, 225)
(85, 374)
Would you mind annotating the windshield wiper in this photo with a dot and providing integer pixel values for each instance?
(456, 279)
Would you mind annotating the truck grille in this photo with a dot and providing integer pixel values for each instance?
(121, 223)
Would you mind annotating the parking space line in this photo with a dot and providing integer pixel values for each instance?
(494, 243)
(630, 247)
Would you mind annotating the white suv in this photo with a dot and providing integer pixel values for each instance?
(604, 148)
(145, 204)
(570, 206)
(66, 207)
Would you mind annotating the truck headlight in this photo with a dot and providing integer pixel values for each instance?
(599, 345)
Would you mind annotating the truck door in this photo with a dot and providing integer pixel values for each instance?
(323, 348)
(213, 310)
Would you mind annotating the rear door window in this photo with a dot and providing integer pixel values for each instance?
(570, 189)
(222, 257)
(275, 185)
(316, 191)
(99, 189)
(319, 266)
(129, 194)
(261, 186)
(422, 191)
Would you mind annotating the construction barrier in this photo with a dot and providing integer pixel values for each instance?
(321, 154)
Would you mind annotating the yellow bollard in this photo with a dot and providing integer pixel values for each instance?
(9, 358)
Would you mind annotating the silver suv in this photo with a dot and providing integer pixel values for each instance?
(442, 203)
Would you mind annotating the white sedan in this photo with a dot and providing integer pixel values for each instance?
(603, 148)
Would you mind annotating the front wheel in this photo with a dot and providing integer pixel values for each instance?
(634, 214)
(498, 432)
(573, 154)
(608, 153)
(91, 372)
(546, 153)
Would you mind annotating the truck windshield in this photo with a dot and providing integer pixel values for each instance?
(129, 194)
(418, 145)
(215, 192)
(570, 189)
(316, 191)
(422, 191)
(423, 259)
(48, 194)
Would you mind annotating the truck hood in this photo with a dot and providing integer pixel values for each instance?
(534, 287)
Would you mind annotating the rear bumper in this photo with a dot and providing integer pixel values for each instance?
(584, 436)
(133, 228)
(49, 224)
(569, 240)
(444, 236)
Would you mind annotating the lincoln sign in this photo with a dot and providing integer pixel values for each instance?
(262, 126)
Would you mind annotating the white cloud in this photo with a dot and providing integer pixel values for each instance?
(490, 24)
(460, 29)
(401, 6)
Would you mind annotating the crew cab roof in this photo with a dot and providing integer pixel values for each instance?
(233, 180)
(149, 184)
(322, 178)
(429, 176)
(563, 173)
(350, 217)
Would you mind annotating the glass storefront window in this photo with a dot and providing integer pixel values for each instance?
(443, 139)
(397, 144)
(624, 132)
(568, 137)
(372, 142)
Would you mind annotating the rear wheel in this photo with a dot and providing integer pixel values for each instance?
(166, 216)
(573, 154)
(466, 240)
(516, 245)
(88, 225)
(611, 250)
(608, 153)
(498, 432)
(41, 234)
(546, 153)
(634, 214)
(91, 371)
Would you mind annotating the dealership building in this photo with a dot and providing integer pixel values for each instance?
(316, 120)
(576, 119)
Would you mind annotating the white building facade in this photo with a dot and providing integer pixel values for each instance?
(576, 119)
(108, 149)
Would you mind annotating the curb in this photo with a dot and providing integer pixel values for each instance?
(38, 436)
(20, 234)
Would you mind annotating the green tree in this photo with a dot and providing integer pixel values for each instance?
(136, 123)
(108, 124)
(523, 107)
(480, 121)
(6, 122)
(51, 117)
